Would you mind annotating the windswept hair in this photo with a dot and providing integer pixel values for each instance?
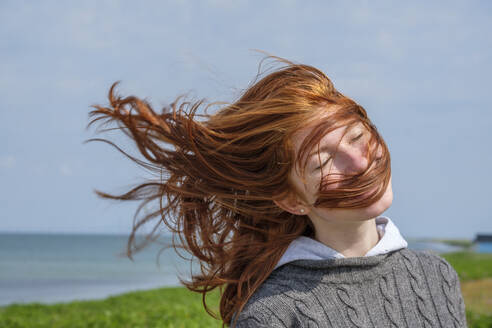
(216, 178)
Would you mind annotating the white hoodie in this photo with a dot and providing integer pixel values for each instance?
(305, 248)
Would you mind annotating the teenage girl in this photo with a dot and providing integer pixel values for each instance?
(279, 195)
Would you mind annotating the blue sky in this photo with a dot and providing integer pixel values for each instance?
(421, 69)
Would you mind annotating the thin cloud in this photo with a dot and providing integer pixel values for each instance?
(66, 170)
(7, 161)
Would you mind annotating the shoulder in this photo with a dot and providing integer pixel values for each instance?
(443, 281)
(285, 299)
(431, 261)
(439, 274)
(266, 308)
(257, 313)
(270, 305)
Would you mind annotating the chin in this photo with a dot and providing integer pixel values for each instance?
(359, 214)
(381, 205)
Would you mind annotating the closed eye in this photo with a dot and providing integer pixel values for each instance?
(323, 165)
(358, 137)
(329, 158)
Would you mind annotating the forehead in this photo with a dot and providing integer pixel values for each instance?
(330, 138)
(299, 136)
(302, 133)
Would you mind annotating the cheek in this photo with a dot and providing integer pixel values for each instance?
(304, 186)
(326, 181)
(331, 174)
(310, 188)
(387, 199)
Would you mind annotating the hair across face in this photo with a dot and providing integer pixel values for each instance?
(345, 153)
(343, 157)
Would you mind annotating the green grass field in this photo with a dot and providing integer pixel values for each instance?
(177, 307)
(475, 272)
(470, 265)
(165, 307)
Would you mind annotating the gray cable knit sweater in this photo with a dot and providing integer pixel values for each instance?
(403, 288)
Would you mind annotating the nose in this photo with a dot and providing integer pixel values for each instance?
(352, 158)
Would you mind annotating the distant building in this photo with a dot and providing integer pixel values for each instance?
(483, 243)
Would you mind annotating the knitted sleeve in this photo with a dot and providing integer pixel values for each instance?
(258, 315)
(461, 302)
(451, 289)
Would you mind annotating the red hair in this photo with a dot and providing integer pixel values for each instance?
(216, 178)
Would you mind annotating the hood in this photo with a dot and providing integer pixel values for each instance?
(305, 248)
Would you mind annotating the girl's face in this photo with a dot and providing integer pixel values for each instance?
(352, 157)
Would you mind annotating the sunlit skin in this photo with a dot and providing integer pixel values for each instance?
(351, 232)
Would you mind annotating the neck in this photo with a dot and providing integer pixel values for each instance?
(350, 238)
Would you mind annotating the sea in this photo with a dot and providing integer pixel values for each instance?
(52, 268)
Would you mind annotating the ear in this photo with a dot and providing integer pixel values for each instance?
(292, 204)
